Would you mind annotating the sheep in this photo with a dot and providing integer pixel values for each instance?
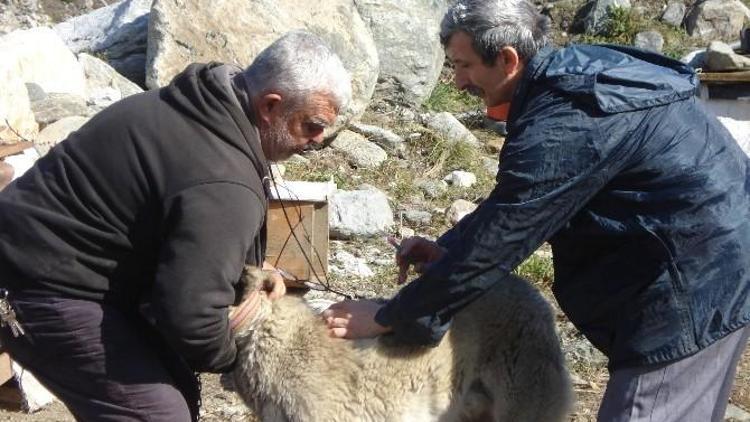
(500, 361)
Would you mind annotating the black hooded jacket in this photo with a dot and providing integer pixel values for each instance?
(157, 199)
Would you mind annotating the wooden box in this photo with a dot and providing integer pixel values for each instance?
(297, 224)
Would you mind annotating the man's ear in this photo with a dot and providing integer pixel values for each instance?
(510, 60)
(268, 106)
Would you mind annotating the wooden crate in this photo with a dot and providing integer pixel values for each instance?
(297, 238)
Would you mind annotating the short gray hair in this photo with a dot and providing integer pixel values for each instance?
(494, 24)
(296, 65)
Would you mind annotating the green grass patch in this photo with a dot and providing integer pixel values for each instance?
(538, 270)
(446, 97)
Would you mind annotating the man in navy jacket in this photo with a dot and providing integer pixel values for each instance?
(643, 196)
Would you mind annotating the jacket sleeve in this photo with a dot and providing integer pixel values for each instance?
(551, 166)
(208, 229)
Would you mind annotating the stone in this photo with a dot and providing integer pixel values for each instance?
(736, 414)
(495, 144)
(406, 33)
(21, 14)
(491, 165)
(56, 106)
(720, 56)
(597, 12)
(432, 188)
(674, 14)
(186, 31)
(360, 213)
(649, 40)
(16, 118)
(117, 33)
(448, 127)
(104, 85)
(359, 151)
(459, 209)
(717, 20)
(40, 56)
(418, 217)
(461, 179)
(345, 264)
(696, 58)
(57, 132)
(384, 138)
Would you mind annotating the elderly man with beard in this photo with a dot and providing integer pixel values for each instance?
(643, 196)
(120, 250)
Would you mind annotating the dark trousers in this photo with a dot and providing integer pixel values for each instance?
(692, 389)
(103, 364)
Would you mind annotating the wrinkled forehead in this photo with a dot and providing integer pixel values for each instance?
(320, 108)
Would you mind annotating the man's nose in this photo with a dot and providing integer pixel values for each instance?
(460, 80)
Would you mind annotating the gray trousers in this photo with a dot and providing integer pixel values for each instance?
(693, 389)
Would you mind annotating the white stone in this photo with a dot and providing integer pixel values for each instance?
(359, 151)
(360, 213)
(459, 209)
(717, 19)
(461, 179)
(186, 31)
(41, 57)
(15, 107)
(447, 126)
(57, 132)
(104, 85)
(345, 264)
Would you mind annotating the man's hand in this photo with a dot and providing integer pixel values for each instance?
(353, 319)
(416, 251)
(274, 283)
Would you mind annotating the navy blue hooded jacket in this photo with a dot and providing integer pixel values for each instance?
(642, 195)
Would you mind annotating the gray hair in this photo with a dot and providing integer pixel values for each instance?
(296, 65)
(494, 24)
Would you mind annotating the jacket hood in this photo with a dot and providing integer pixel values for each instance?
(617, 78)
(199, 93)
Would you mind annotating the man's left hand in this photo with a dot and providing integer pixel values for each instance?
(353, 319)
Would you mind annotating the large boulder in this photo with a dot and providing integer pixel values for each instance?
(21, 14)
(717, 19)
(186, 31)
(592, 18)
(359, 213)
(358, 150)
(16, 118)
(116, 33)
(104, 85)
(41, 57)
(406, 33)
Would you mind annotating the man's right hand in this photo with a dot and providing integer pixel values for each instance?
(416, 251)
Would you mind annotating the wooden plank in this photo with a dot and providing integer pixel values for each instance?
(743, 76)
(282, 249)
(12, 149)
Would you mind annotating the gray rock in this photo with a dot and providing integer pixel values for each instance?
(717, 19)
(674, 14)
(345, 264)
(432, 188)
(696, 58)
(21, 14)
(649, 40)
(41, 57)
(35, 91)
(359, 151)
(57, 132)
(362, 213)
(735, 414)
(491, 165)
(57, 106)
(597, 12)
(182, 32)
(417, 217)
(386, 139)
(720, 56)
(447, 126)
(16, 117)
(104, 85)
(408, 43)
(459, 209)
(117, 32)
(461, 179)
